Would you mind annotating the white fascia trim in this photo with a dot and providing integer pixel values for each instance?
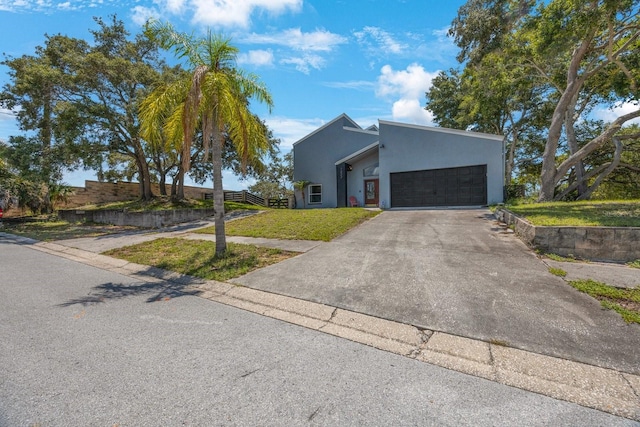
(357, 153)
(367, 131)
(445, 130)
(341, 116)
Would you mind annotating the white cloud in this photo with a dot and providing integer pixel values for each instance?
(305, 49)
(259, 58)
(140, 14)
(407, 90)
(305, 63)
(378, 41)
(45, 5)
(410, 110)
(293, 38)
(291, 130)
(361, 85)
(610, 114)
(234, 13)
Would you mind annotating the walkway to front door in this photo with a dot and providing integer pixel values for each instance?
(371, 192)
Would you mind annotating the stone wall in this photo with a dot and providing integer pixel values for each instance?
(149, 219)
(619, 244)
(95, 192)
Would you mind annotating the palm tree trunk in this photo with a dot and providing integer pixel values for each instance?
(218, 192)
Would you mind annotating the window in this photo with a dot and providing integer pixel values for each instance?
(315, 193)
(371, 170)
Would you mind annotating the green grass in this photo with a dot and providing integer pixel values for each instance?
(197, 257)
(165, 203)
(297, 224)
(617, 213)
(561, 258)
(624, 301)
(48, 230)
(634, 264)
(557, 272)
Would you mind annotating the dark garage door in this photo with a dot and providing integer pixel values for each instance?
(465, 186)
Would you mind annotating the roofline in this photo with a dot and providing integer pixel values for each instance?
(357, 153)
(367, 131)
(445, 130)
(341, 116)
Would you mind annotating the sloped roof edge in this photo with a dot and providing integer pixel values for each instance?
(341, 116)
(363, 150)
(445, 130)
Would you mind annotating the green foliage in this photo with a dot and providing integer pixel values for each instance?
(634, 264)
(275, 181)
(199, 258)
(534, 71)
(298, 224)
(216, 97)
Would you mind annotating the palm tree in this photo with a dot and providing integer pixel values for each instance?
(216, 99)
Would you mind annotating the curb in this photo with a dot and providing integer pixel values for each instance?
(607, 390)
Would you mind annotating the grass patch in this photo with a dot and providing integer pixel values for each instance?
(197, 257)
(617, 213)
(297, 224)
(561, 258)
(557, 272)
(166, 203)
(634, 264)
(51, 229)
(624, 301)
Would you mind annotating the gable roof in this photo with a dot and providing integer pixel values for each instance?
(445, 130)
(343, 116)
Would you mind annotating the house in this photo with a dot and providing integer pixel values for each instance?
(397, 165)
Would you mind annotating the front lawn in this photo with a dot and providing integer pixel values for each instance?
(618, 213)
(297, 224)
(197, 257)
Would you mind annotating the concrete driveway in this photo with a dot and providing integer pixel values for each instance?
(460, 272)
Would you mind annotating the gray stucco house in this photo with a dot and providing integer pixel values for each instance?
(397, 165)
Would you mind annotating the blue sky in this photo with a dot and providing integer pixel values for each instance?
(370, 59)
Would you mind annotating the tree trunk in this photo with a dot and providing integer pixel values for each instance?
(180, 189)
(163, 184)
(511, 157)
(572, 142)
(144, 176)
(614, 164)
(218, 192)
(548, 179)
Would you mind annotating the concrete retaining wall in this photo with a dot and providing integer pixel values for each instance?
(620, 244)
(151, 219)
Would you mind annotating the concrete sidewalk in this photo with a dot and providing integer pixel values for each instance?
(607, 390)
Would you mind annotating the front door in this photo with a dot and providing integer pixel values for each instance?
(371, 192)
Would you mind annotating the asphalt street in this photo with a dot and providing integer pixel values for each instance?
(83, 346)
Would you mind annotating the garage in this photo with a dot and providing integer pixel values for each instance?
(461, 186)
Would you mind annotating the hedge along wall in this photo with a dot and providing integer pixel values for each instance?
(619, 244)
(103, 192)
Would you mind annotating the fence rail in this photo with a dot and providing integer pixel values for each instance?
(278, 203)
(243, 197)
(247, 197)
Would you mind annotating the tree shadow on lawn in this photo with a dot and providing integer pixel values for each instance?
(165, 286)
